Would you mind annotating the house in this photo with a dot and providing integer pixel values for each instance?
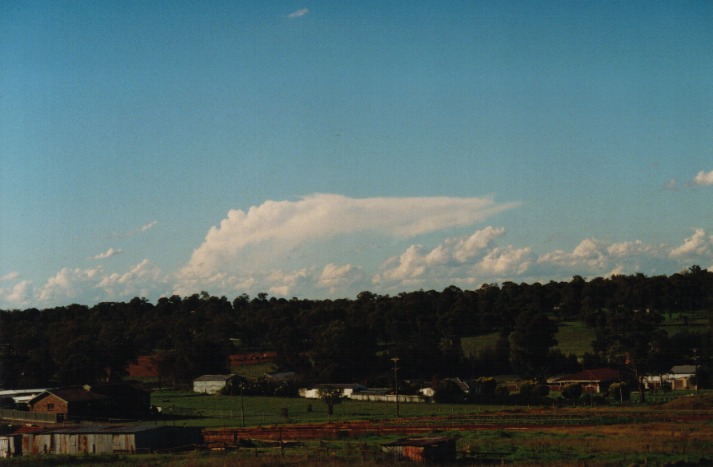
(214, 384)
(108, 439)
(121, 400)
(437, 449)
(71, 402)
(347, 390)
(595, 380)
(679, 377)
(18, 398)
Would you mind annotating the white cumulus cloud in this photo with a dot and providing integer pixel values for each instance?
(266, 236)
(703, 178)
(696, 246)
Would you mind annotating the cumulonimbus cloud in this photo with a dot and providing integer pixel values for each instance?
(276, 227)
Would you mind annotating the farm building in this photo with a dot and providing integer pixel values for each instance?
(680, 377)
(106, 400)
(214, 384)
(10, 445)
(73, 402)
(126, 400)
(596, 380)
(347, 390)
(109, 439)
(426, 450)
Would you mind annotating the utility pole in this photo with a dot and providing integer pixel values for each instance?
(396, 383)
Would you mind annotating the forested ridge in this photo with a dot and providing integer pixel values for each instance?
(348, 340)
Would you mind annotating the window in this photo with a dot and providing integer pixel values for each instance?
(50, 406)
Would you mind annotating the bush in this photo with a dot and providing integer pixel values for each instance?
(447, 391)
(593, 399)
(620, 391)
(572, 391)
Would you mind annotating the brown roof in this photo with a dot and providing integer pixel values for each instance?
(72, 394)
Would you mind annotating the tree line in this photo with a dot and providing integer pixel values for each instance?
(354, 340)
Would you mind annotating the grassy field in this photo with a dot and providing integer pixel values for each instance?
(573, 337)
(680, 433)
(190, 409)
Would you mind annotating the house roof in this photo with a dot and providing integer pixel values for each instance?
(71, 394)
(684, 369)
(219, 378)
(596, 375)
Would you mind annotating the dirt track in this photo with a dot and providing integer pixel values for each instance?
(533, 419)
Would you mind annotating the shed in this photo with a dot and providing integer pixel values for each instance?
(436, 449)
(212, 384)
(10, 445)
(109, 439)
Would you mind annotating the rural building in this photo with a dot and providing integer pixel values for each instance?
(109, 439)
(126, 400)
(424, 450)
(10, 445)
(18, 398)
(679, 377)
(214, 384)
(347, 390)
(72, 402)
(120, 400)
(596, 380)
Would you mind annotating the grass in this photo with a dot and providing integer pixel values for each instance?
(573, 337)
(191, 409)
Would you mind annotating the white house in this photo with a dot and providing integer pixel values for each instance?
(348, 390)
(680, 377)
(212, 384)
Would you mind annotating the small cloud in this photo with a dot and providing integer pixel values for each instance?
(671, 185)
(108, 253)
(703, 178)
(11, 276)
(299, 13)
(148, 226)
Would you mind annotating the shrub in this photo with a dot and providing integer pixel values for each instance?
(620, 391)
(572, 391)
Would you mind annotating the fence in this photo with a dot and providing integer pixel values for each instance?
(39, 417)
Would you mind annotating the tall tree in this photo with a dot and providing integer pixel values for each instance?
(530, 344)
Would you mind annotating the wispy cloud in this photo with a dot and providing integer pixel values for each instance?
(299, 13)
(108, 253)
(148, 226)
(703, 178)
(10, 276)
(131, 233)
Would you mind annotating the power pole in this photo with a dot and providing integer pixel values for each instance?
(396, 384)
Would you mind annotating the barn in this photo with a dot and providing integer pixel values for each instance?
(109, 439)
(10, 445)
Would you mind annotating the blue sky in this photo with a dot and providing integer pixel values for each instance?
(318, 149)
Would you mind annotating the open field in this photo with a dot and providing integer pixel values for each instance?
(573, 337)
(651, 435)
